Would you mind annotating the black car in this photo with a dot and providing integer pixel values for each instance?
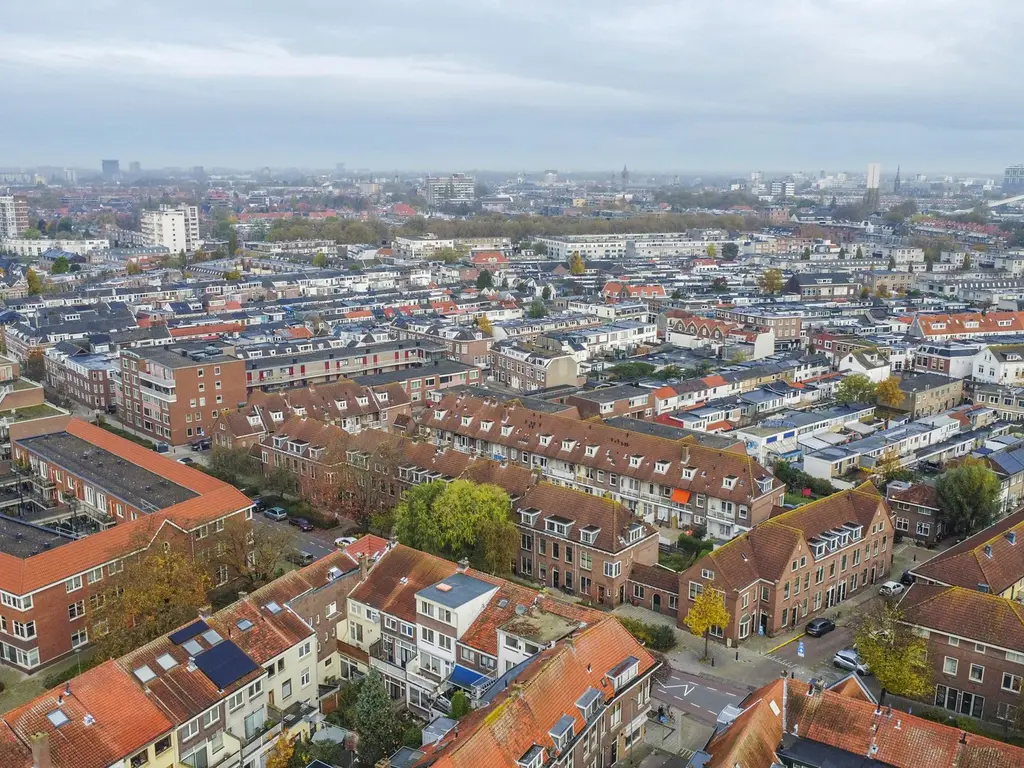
(202, 445)
(818, 627)
(907, 578)
(301, 523)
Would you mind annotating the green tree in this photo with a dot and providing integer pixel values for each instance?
(859, 254)
(546, 293)
(631, 371)
(968, 497)
(730, 251)
(234, 465)
(134, 268)
(770, 281)
(460, 705)
(234, 274)
(320, 260)
(539, 248)
(895, 654)
(968, 262)
(855, 388)
(376, 723)
(707, 611)
(576, 264)
(32, 234)
(806, 254)
(485, 279)
(447, 255)
(416, 525)
(459, 510)
(712, 251)
(61, 265)
(35, 285)
(865, 293)
(892, 263)
(537, 309)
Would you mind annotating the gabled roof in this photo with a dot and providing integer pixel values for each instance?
(398, 575)
(984, 618)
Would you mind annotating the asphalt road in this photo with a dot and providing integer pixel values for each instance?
(318, 543)
(698, 697)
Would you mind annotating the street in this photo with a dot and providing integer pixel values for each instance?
(699, 697)
(317, 543)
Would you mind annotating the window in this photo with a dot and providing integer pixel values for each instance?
(190, 729)
(163, 745)
(76, 610)
(954, 641)
(25, 630)
(79, 638)
(1011, 682)
(612, 570)
(286, 690)
(586, 561)
(139, 759)
(75, 582)
(696, 588)
(616, 717)
(949, 666)
(95, 575)
(255, 689)
(977, 673)
(1005, 711)
(211, 717)
(236, 701)
(304, 677)
(304, 649)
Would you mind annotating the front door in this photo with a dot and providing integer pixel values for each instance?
(615, 751)
(762, 622)
(841, 591)
(872, 574)
(600, 594)
(830, 597)
(622, 593)
(656, 603)
(554, 578)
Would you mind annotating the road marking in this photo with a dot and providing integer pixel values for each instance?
(734, 695)
(711, 689)
(688, 687)
(781, 645)
(711, 711)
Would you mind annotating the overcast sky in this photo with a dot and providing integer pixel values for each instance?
(687, 85)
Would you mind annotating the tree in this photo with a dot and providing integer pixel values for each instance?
(460, 705)
(234, 465)
(855, 388)
(280, 756)
(865, 293)
(888, 393)
(252, 550)
(720, 285)
(859, 254)
(539, 248)
(460, 509)
(134, 268)
(329, 752)
(415, 523)
(712, 251)
(35, 367)
(376, 723)
(631, 371)
(485, 279)
(320, 260)
(32, 233)
(576, 264)
(968, 262)
(887, 465)
(896, 655)
(882, 291)
(806, 256)
(279, 481)
(35, 285)
(537, 309)
(968, 497)
(842, 254)
(447, 255)
(707, 611)
(484, 324)
(61, 265)
(546, 293)
(234, 274)
(730, 251)
(153, 595)
(892, 263)
(770, 281)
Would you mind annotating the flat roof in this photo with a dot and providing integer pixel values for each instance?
(537, 626)
(132, 484)
(23, 539)
(458, 589)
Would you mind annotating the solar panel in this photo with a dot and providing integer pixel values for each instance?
(225, 663)
(189, 632)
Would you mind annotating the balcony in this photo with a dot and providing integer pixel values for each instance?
(387, 662)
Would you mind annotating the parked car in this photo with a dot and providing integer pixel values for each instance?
(848, 658)
(258, 503)
(202, 445)
(343, 541)
(891, 588)
(300, 558)
(820, 626)
(301, 523)
(275, 513)
(162, 447)
(186, 460)
(907, 578)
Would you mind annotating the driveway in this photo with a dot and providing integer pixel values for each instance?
(701, 698)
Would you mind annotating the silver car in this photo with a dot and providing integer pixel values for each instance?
(848, 658)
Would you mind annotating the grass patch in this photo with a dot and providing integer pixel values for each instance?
(798, 499)
(675, 560)
(127, 435)
(30, 412)
(657, 637)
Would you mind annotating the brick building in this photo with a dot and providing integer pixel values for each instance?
(798, 564)
(581, 544)
(915, 512)
(175, 393)
(127, 499)
(527, 369)
(624, 400)
(87, 378)
(422, 383)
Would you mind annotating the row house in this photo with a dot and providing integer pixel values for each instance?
(463, 344)
(1006, 400)
(583, 545)
(527, 369)
(661, 480)
(975, 649)
(349, 405)
(87, 378)
(220, 690)
(424, 382)
(915, 512)
(966, 325)
(949, 358)
(133, 499)
(1000, 364)
(624, 400)
(797, 565)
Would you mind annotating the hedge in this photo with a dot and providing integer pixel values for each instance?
(657, 637)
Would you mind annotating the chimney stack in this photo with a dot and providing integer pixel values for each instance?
(41, 751)
(463, 565)
(364, 567)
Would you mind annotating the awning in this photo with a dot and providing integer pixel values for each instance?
(465, 677)
(680, 496)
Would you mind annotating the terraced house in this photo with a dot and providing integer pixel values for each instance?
(796, 565)
(677, 482)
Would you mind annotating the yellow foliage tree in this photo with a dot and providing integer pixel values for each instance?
(896, 656)
(707, 611)
(576, 264)
(889, 393)
(281, 755)
(712, 251)
(484, 324)
(771, 281)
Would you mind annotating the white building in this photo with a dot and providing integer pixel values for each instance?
(449, 190)
(874, 175)
(651, 244)
(23, 246)
(13, 216)
(176, 229)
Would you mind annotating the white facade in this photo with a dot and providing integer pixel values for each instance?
(13, 216)
(176, 229)
(1004, 368)
(450, 190)
(31, 248)
(874, 175)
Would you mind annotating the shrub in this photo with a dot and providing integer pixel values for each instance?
(657, 637)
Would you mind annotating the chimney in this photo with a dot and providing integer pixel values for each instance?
(364, 567)
(463, 565)
(41, 751)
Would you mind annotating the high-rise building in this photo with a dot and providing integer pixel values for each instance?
(1013, 178)
(111, 170)
(177, 229)
(874, 175)
(70, 176)
(896, 182)
(13, 216)
(135, 167)
(450, 190)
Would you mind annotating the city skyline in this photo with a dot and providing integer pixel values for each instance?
(466, 85)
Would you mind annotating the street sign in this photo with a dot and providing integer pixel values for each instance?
(800, 649)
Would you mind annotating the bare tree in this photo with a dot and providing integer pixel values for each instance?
(251, 550)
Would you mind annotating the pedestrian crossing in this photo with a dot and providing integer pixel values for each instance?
(784, 662)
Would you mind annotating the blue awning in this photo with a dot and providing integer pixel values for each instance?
(465, 677)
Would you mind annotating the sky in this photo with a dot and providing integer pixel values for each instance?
(447, 85)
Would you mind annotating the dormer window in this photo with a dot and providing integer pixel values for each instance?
(689, 473)
(562, 733)
(534, 757)
(279, 441)
(634, 461)
(661, 467)
(635, 533)
(622, 673)
(467, 420)
(545, 440)
(568, 445)
(506, 430)
(529, 516)
(557, 525)
(486, 425)
(589, 703)
(588, 535)
(764, 484)
(729, 482)
(277, 415)
(439, 415)
(591, 450)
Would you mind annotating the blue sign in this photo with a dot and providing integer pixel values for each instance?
(760, 630)
(800, 649)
